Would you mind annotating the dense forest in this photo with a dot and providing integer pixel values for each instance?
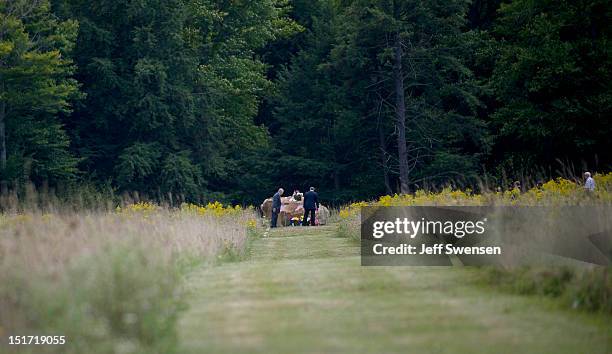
(230, 99)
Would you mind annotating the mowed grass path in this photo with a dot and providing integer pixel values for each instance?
(304, 291)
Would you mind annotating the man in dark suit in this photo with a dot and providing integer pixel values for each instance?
(311, 204)
(276, 206)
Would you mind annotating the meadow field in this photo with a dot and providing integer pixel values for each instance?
(109, 281)
(145, 278)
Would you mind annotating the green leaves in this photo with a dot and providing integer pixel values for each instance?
(553, 70)
(144, 164)
(36, 85)
(179, 175)
(165, 96)
(138, 164)
(173, 88)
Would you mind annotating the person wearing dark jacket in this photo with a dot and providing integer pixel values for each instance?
(276, 206)
(311, 204)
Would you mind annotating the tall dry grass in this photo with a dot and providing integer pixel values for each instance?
(109, 281)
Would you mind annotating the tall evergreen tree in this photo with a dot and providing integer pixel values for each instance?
(376, 76)
(231, 83)
(553, 80)
(413, 52)
(36, 87)
(173, 86)
(360, 97)
(139, 76)
(321, 136)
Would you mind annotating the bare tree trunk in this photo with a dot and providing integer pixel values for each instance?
(2, 131)
(2, 136)
(383, 156)
(3, 182)
(400, 111)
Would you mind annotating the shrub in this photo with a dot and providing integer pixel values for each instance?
(529, 281)
(587, 289)
(592, 290)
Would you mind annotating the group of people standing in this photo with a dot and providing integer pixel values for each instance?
(311, 205)
(311, 200)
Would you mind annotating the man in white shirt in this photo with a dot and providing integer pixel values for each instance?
(589, 184)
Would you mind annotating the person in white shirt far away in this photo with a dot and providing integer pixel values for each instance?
(589, 183)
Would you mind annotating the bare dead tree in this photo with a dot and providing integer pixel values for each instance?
(383, 150)
(400, 112)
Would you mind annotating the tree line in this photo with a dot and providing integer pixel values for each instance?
(227, 100)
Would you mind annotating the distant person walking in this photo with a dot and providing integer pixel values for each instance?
(311, 204)
(589, 183)
(276, 206)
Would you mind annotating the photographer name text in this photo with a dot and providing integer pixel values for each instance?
(436, 249)
(413, 228)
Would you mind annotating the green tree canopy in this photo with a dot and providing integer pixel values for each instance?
(36, 87)
(553, 82)
(172, 89)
